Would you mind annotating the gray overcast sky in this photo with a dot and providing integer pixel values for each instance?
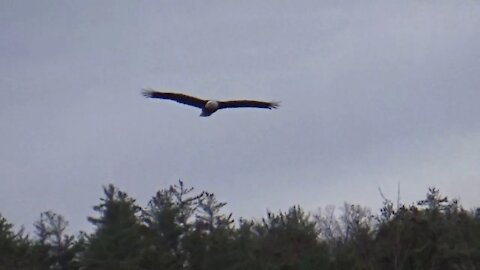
(373, 93)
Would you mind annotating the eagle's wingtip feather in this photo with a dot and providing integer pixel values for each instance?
(274, 104)
(147, 92)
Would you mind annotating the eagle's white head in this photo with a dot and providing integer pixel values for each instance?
(210, 107)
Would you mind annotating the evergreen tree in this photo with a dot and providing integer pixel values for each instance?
(117, 242)
(8, 245)
(210, 245)
(15, 248)
(54, 249)
(168, 220)
(435, 234)
(247, 247)
(183, 230)
(290, 241)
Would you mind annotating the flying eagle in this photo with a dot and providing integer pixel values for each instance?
(209, 106)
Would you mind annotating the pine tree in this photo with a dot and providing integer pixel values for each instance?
(210, 245)
(55, 249)
(8, 245)
(289, 240)
(168, 220)
(117, 242)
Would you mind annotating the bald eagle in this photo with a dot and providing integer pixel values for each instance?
(209, 106)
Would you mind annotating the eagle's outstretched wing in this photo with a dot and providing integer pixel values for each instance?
(180, 98)
(247, 104)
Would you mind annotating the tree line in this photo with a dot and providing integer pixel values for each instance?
(187, 230)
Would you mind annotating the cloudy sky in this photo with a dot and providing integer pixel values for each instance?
(374, 95)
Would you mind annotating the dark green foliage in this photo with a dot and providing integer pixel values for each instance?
(167, 222)
(356, 252)
(180, 229)
(9, 246)
(210, 244)
(117, 242)
(54, 249)
(437, 234)
(289, 241)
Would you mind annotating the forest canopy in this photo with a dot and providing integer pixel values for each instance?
(180, 228)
